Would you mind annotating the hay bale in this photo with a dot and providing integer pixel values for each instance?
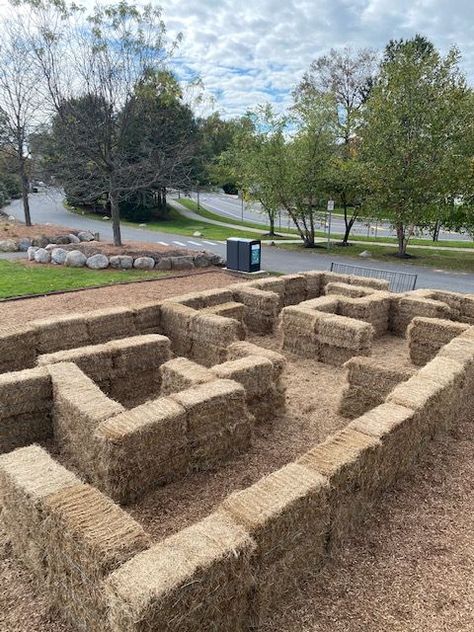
(142, 448)
(193, 300)
(139, 353)
(327, 304)
(376, 284)
(294, 289)
(313, 283)
(344, 289)
(261, 307)
(243, 349)
(255, 373)
(333, 277)
(373, 309)
(461, 350)
(196, 580)
(227, 310)
(17, 347)
(86, 537)
(467, 309)
(211, 335)
(180, 374)
(287, 515)
(147, 318)
(300, 326)
(346, 333)
(27, 477)
(57, 333)
(270, 284)
(94, 360)
(406, 307)
(110, 323)
(426, 336)
(175, 321)
(219, 424)
(349, 461)
(216, 296)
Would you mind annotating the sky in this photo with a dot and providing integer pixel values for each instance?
(248, 53)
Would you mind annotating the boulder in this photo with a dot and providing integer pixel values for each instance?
(23, 244)
(121, 262)
(217, 260)
(105, 218)
(97, 262)
(365, 254)
(42, 256)
(8, 245)
(197, 234)
(201, 260)
(61, 240)
(30, 253)
(42, 241)
(164, 264)
(142, 225)
(85, 235)
(75, 259)
(58, 255)
(144, 263)
(182, 263)
(51, 247)
(73, 239)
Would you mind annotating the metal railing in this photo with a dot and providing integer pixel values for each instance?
(399, 281)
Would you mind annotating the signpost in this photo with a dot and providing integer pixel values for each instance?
(330, 208)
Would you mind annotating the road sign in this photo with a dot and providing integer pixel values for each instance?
(330, 205)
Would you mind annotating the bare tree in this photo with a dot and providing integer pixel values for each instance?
(20, 100)
(108, 61)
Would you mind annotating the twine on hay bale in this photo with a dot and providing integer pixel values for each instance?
(141, 449)
(180, 373)
(243, 349)
(426, 336)
(287, 515)
(26, 400)
(349, 460)
(196, 580)
(110, 323)
(17, 347)
(218, 421)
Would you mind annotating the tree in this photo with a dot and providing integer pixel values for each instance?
(20, 101)
(96, 69)
(417, 121)
(347, 77)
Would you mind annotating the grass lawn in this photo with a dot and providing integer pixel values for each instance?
(18, 278)
(438, 259)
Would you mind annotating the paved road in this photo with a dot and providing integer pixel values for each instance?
(48, 207)
(231, 206)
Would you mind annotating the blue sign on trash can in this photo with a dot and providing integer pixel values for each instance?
(244, 255)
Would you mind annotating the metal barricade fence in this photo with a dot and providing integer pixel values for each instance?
(399, 281)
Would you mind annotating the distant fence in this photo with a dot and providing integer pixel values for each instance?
(399, 281)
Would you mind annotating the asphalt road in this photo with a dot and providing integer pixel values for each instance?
(48, 208)
(231, 206)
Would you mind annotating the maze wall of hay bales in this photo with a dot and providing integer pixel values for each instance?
(135, 399)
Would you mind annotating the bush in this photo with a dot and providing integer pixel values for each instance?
(10, 185)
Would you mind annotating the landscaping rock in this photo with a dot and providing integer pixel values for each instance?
(75, 259)
(11, 218)
(121, 262)
(105, 218)
(201, 260)
(164, 264)
(73, 239)
(51, 246)
(23, 244)
(142, 225)
(8, 245)
(197, 234)
(217, 260)
(97, 262)
(85, 235)
(365, 254)
(144, 263)
(58, 255)
(42, 241)
(30, 253)
(61, 239)
(42, 256)
(182, 263)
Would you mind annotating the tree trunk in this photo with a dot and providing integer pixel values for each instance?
(402, 242)
(24, 193)
(436, 231)
(115, 214)
(271, 221)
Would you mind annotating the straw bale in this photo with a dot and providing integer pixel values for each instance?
(261, 307)
(135, 388)
(269, 405)
(243, 349)
(348, 333)
(139, 353)
(461, 350)
(349, 460)
(400, 430)
(175, 321)
(313, 283)
(94, 360)
(228, 310)
(337, 356)
(270, 284)
(405, 308)
(27, 477)
(79, 407)
(373, 309)
(467, 308)
(327, 304)
(376, 284)
(57, 333)
(300, 327)
(110, 323)
(287, 515)
(17, 347)
(216, 297)
(219, 423)
(193, 300)
(211, 335)
(147, 318)
(255, 373)
(344, 289)
(333, 277)
(180, 373)
(86, 537)
(426, 336)
(141, 449)
(468, 334)
(294, 289)
(196, 580)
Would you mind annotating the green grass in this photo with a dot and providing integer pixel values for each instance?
(191, 205)
(438, 259)
(19, 278)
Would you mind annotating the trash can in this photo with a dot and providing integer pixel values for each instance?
(244, 255)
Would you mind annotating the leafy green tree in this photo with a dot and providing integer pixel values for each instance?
(417, 122)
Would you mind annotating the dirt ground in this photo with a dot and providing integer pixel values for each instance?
(12, 229)
(133, 294)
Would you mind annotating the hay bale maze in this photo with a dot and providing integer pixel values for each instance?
(185, 465)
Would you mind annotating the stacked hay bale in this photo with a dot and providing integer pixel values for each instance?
(368, 384)
(467, 309)
(244, 349)
(228, 310)
(300, 326)
(261, 308)
(340, 338)
(69, 535)
(26, 401)
(344, 289)
(211, 335)
(196, 580)
(175, 321)
(295, 289)
(461, 350)
(350, 279)
(314, 283)
(109, 324)
(265, 399)
(373, 309)
(61, 332)
(426, 336)
(205, 298)
(286, 514)
(327, 304)
(147, 318)
(271, 284)
(404, 308)
(17, 348)
(180, 373)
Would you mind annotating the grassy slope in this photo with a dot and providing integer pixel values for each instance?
(18, 278)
